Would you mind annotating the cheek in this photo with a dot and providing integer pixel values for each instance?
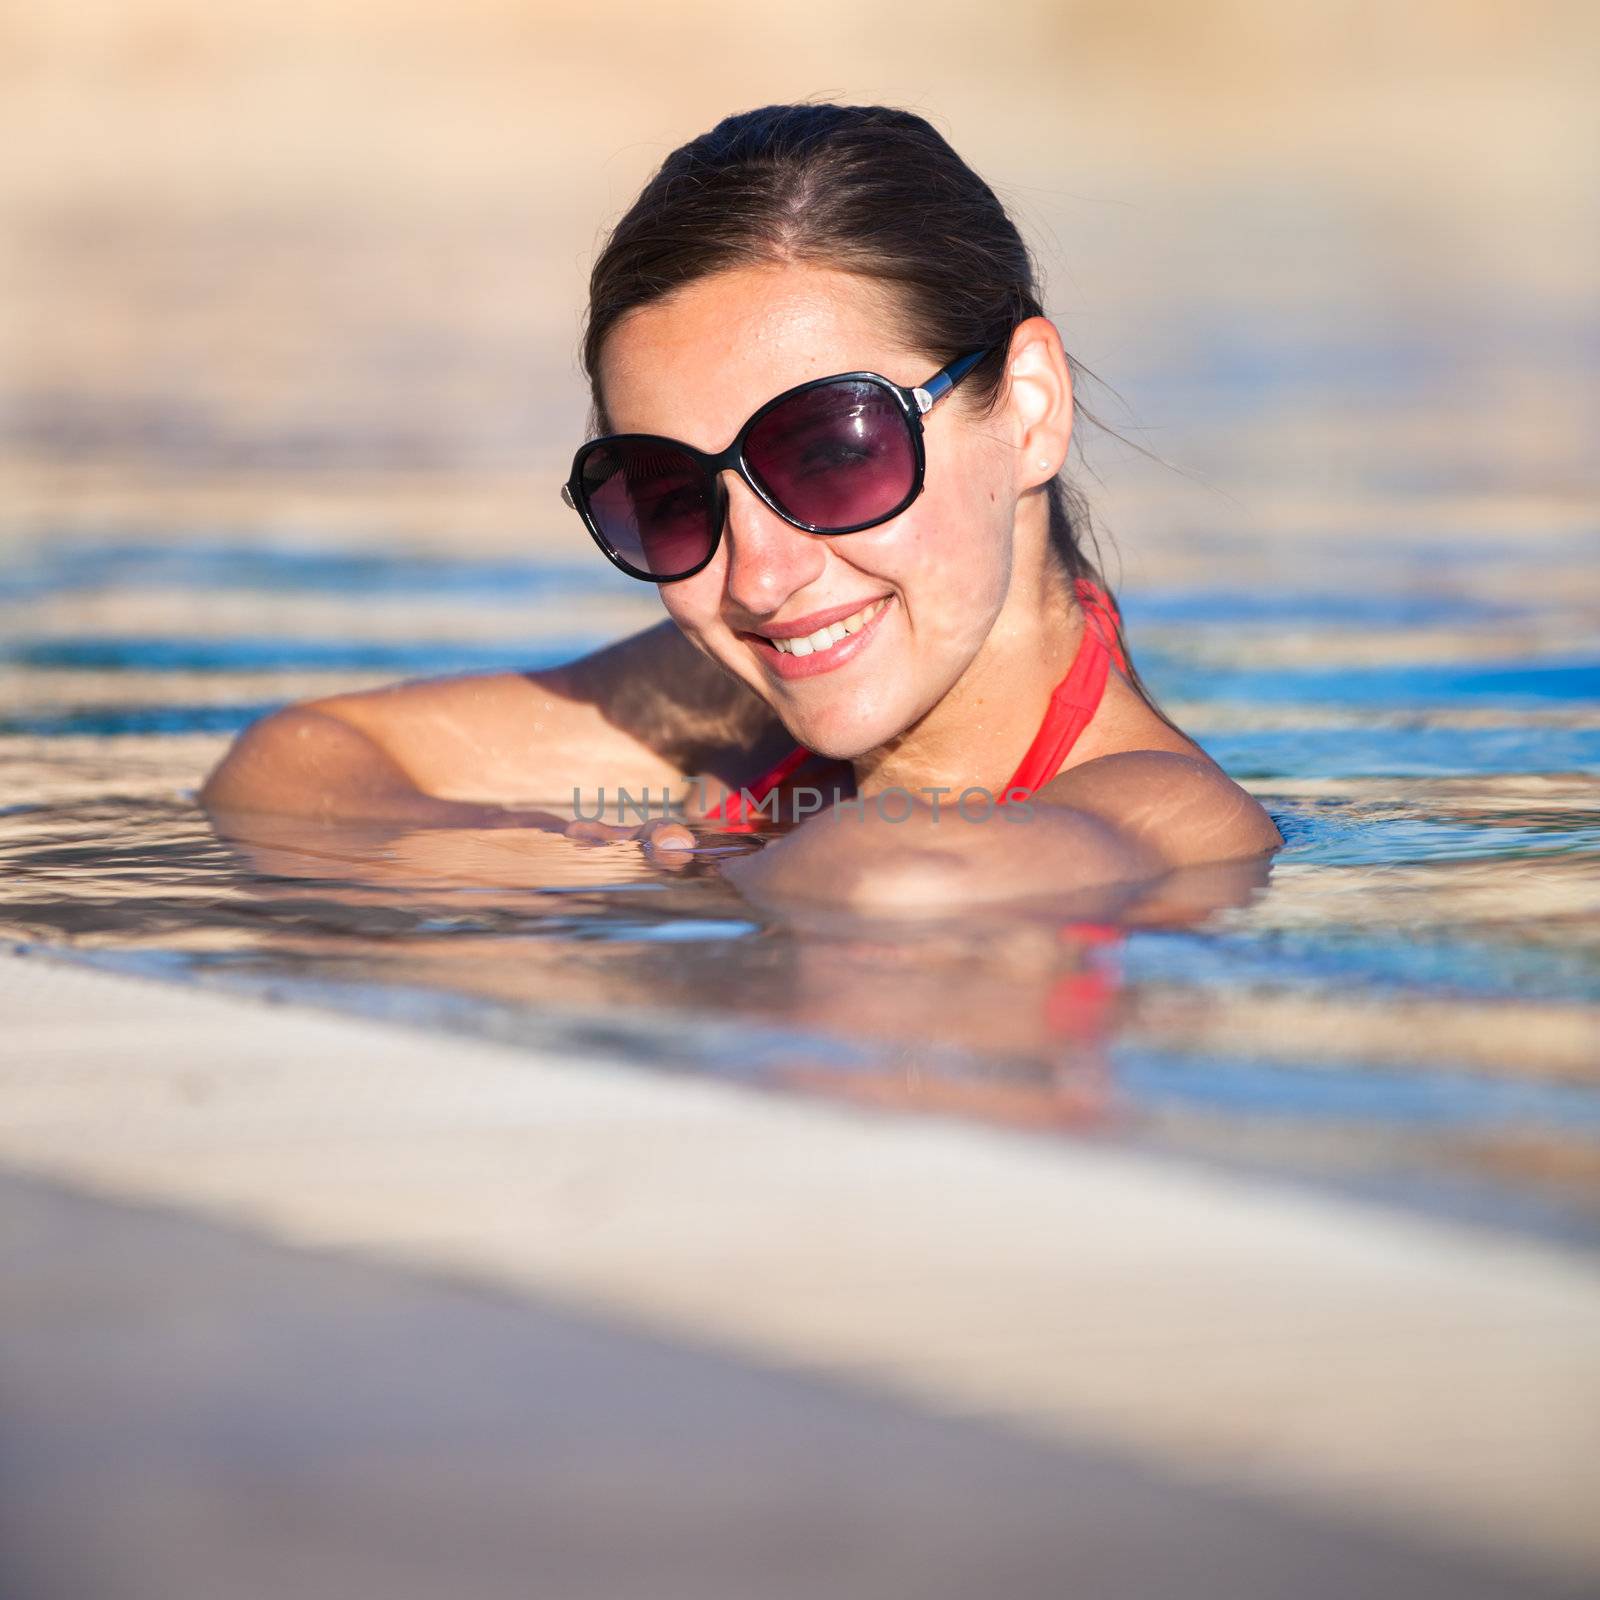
(696, 606)
(951, 563)
(694, 603)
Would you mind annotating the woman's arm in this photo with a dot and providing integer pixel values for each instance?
(1101, 828)
(638, 714)
(307, 761)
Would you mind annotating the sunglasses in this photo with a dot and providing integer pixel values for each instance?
(834, 455)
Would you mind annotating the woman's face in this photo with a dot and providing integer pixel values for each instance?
(694, 367)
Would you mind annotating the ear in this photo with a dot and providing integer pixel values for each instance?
(1039, 399)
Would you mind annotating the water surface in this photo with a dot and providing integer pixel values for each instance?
(1408, 1008)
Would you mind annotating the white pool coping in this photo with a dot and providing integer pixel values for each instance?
(1420, 1374)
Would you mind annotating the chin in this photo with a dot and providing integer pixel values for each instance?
(844, 738)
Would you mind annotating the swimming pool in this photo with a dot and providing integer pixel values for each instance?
(1409, 1009)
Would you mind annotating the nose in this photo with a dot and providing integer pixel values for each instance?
(768, 559)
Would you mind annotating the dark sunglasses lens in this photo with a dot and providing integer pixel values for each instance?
(652, 503)
(835, 456)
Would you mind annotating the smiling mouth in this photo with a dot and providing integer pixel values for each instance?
(826, 638)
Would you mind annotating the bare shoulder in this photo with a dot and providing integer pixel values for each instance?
(1184, 807)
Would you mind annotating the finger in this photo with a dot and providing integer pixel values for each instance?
(591, 831)
(666, 834)
(543, 821)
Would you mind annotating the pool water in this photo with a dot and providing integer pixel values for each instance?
(1408, 1009)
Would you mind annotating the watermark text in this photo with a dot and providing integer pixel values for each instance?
(625, 806)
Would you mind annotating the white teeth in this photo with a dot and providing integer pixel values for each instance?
(826, 638)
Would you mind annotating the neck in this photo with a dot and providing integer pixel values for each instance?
(978, 732)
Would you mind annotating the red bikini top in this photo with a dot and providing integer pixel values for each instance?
(1073, 703)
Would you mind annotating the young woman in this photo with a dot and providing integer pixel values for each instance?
(830, 420)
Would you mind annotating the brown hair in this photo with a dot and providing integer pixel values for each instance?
(870, 190)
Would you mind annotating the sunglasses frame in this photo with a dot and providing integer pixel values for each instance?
(914, 404)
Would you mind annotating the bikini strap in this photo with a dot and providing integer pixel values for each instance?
(1074, 701)
(731, 808)
(1101, 610)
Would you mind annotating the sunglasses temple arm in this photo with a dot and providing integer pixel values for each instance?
(941, 383)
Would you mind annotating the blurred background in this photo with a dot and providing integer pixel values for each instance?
(316, 271)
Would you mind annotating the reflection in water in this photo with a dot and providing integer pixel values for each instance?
(1411, 995)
